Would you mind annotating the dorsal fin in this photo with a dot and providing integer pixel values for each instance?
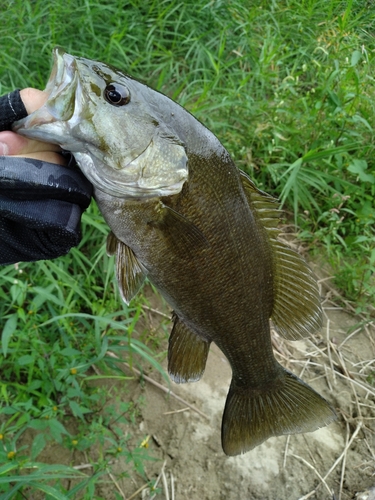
(296, 311)
(130, 273)
(266, 206)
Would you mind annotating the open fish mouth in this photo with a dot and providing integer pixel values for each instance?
(62, 86)
(62, 103)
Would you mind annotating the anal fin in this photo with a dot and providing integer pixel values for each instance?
(130, 273)
(187, 353)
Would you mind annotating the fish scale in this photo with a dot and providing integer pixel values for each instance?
(182, 214)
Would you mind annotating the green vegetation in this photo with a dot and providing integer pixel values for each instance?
(62, 323)
(287, 86)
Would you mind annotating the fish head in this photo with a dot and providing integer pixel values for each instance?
(113, 125)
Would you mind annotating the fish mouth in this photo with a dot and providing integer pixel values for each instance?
(62, 86)
(62, 103)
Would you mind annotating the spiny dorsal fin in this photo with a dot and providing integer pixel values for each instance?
(130, 273)
(296, 312)
(187, 353)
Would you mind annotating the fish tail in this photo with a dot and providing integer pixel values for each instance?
(253, 415)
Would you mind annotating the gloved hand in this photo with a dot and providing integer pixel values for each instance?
(41, 203)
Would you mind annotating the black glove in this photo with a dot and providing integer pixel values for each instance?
(41, 203)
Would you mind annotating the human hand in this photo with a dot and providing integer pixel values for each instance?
(41, 196)
(12, 144)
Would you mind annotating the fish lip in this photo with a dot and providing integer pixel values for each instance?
(63, 80)
(63, 71)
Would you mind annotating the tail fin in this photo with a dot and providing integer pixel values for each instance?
(252, 416)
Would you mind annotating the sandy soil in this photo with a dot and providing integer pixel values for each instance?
(336, 462)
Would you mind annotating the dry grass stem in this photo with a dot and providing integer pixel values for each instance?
(176, 411)
(328, 378)
(158, 479)
(355, 382)
(139, 490)
(367, 330)
(325, 279)
(335, 360)
(335, 293)
(172, 486)
(286, 450)
(307, 362)
(305, 497)
(316, 472)
(116, 484)
(163, 315)
(366, 364)
(329, 351)
(83, 466)
(343, 366)
(372, 452)
(344, 461)
(349, 337)
(165, 484)
(347, 446)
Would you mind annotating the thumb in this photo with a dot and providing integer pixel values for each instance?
(12, 144)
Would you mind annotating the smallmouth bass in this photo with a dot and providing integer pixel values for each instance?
(182, 214)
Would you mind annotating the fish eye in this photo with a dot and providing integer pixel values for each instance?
(116, 94)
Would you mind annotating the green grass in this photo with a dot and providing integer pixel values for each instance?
(287, 86)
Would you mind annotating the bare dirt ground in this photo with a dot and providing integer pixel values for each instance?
(333, 463)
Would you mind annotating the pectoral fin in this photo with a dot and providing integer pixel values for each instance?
(296, 312)
(187, 353)
(130, 273)
(178, 229)
(111, 246)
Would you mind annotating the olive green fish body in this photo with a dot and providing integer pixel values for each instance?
(220, 286)
(183, 215)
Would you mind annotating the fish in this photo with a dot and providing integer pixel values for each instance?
(182, 214)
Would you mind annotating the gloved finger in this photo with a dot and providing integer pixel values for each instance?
(32, 179)
(35, 230)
